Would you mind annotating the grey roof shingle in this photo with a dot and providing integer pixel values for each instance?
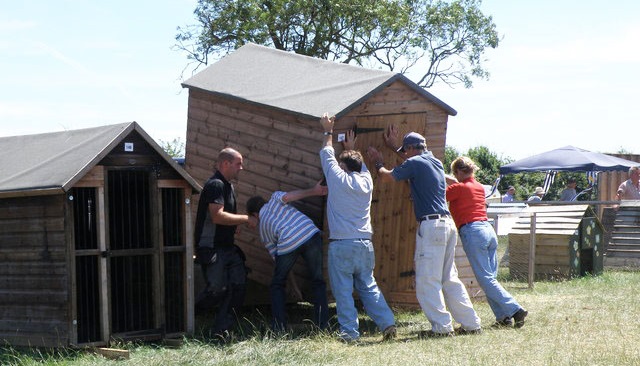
(295, 83)
(53, 162)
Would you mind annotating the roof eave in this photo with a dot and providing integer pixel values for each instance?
(118, 139)
(450, 111)
(30, 192)
(96, 159)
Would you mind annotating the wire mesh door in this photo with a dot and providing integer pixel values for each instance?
(88, 318)
(132, 252)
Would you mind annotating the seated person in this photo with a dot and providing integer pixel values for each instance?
(537, 195)
(510, 195)
(569, 193)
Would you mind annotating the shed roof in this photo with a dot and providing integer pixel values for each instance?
(51, 163)
(561, 220)
(295, 83)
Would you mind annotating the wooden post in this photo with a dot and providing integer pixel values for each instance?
(532, 250)
(103, 265)
(188, 260)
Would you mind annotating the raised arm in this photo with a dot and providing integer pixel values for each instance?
(349, 142)
(375, 159)
(391, 139)
(327, 126)
(317, 190)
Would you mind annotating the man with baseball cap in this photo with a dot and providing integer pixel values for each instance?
(438, 287)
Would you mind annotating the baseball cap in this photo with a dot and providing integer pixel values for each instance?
(412, 138)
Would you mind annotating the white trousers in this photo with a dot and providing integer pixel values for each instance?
(440, 292)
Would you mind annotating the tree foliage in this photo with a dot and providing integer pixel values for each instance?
(441, 41)
(174, 148)
(489, 164)
(487, 161)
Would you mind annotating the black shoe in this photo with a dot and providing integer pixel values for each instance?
(432, 334)
(389, 333)
(462, 331)
(504, 323)
(518, 318)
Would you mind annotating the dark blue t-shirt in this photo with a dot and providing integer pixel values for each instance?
(427, 182)
(207, 234)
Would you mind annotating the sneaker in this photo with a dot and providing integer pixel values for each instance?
(389, 333)
(462, 331)
(347, 338)
(504, 323)
(432, 334)
(518, 318)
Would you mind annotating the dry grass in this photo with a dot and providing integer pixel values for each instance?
(586, 321)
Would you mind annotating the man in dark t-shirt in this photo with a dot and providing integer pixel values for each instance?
(221, 261)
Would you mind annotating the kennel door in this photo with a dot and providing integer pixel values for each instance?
(132, 253)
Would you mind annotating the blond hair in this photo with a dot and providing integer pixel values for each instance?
(464, 164)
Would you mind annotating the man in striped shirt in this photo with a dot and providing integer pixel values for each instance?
(288, 234)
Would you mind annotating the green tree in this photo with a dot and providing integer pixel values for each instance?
(174, 148)
(450, 154)
(488, 162)
(442, 41)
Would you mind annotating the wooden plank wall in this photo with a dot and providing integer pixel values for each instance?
(392, 212)
(143, 156)
(610, 181)
(552, 255)
(280, 153)
(34, 278)
(398, 98)
(624, 246)
(556, 232)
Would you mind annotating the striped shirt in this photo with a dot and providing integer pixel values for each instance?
(282, 227)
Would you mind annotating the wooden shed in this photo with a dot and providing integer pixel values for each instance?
(569, 242)
(624, 246)
(266, 103)
(95, 238)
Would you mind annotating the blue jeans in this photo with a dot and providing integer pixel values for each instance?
(480, 242)
(226, 278)
(351, 263)
(311, 251)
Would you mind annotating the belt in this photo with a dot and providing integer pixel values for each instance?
(432, 217)
(354, 239)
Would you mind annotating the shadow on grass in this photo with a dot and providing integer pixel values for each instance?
(255, 322)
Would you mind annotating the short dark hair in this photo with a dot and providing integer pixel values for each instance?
(352, 159)
(228, 154)
(254, 204)
(419, 146)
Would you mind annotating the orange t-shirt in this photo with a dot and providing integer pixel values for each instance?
(466, 202)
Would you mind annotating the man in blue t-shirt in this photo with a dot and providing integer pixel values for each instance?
(440, 292)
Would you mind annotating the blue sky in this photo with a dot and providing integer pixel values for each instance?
(565, 73)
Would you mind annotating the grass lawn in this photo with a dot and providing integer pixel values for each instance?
(585, 321)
